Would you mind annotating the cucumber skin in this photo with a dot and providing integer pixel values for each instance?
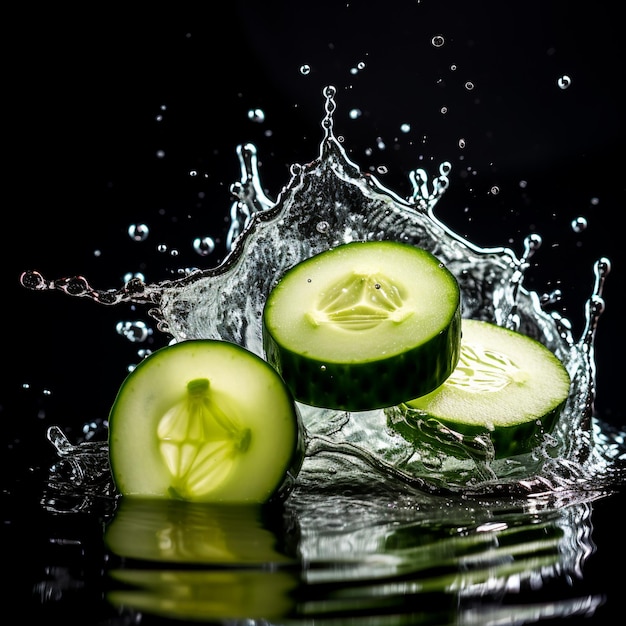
(507, 440)
(373, 385)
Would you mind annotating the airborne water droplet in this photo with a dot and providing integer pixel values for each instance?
(136, 332)
(204, 245)
(579, 224)
(256, 115)
(438, 41)
(130, 275)
(564, 81)
(138, 232)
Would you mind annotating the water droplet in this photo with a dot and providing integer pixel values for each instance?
(444, 110)
(438, 41)
(461, 143)
(204, 245)
(136, 331)
(256, 115)
(453, 67)
(469, 85)
(579, 224)
(551, 298)
(405, 128)
(138, 232)
(355, 113)
(564, 81)
(358, 68)
(133, 275)
(305, 69)
(523, 184)
(495, 190)
(160, 154)
(322, 227)
(161, 248)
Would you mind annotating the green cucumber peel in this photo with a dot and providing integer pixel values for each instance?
(507, 387)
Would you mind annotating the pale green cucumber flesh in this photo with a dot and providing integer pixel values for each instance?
(365, 325)
(506, 386)
(205, 420)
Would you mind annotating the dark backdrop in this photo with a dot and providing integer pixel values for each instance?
(85, 90)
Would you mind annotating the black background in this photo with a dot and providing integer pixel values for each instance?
(84, 89)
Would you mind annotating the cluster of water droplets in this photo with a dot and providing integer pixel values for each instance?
(330, 201)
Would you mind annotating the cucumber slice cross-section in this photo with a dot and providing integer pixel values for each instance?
(205, 420)
(364, 325)
(507, 386)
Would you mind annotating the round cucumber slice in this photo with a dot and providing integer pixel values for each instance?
(205, 420)
(365, 325)
(506, 385)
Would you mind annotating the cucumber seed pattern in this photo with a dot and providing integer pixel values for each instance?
(197, 439)
(481, 370)
(359, 302)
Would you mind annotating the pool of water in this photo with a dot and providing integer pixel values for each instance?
(350, 552)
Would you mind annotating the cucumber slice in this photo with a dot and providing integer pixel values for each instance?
(507, 386)
(205, 420)
(365, 325)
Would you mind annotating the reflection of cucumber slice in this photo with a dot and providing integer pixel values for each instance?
(364, 325)
(197, 533)
(506, 385)
(211, 596)
(205, 420)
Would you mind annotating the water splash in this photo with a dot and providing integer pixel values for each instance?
(327, 202)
